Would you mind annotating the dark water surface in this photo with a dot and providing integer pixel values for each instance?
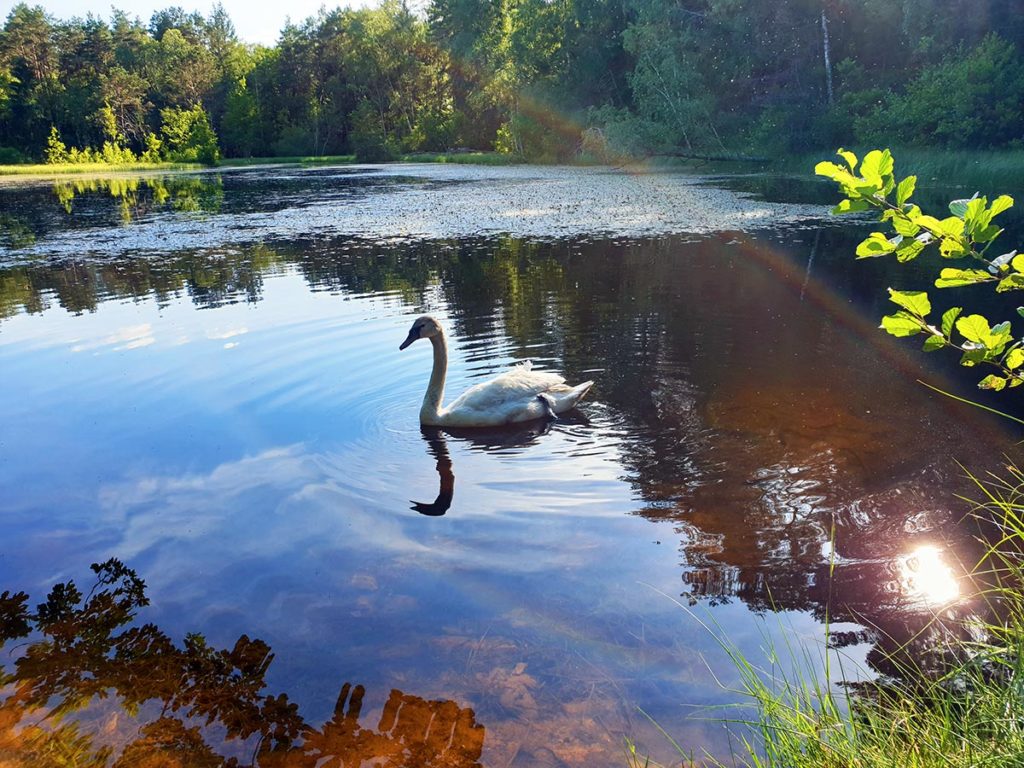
(228, 415)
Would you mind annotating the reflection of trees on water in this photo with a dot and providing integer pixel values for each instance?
(208, 280)
(28, 214)
(137, 196)
(15, 232)
(759, 420)
(83, 649)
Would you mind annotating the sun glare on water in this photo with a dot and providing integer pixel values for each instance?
(927, 578)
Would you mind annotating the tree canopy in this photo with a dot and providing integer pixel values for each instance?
(541, 78)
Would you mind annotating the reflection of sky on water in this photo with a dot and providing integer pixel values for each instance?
(264, 489)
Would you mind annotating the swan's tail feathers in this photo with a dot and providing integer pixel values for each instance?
(568, 399)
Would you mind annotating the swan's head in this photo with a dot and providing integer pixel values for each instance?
(424, 327)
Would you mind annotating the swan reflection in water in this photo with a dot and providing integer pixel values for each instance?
(490, 439)
(184, 705)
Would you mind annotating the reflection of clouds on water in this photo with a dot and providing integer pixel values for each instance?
(128, 337)
(289, 498)
(259, 503)
(230, 333)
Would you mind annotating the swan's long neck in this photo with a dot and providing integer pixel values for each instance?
(430, 411)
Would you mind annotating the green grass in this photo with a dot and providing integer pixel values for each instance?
(462, 158)
(969, 714)
(244, 162)
(60, 169)
(41, 169)
(469, 158)
(985, 171)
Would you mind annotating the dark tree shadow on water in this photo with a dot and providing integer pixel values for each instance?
(79, 649)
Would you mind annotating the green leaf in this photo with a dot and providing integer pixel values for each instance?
(974, 328)
(909, 249)
(851, 206)
(959, 207)
(992, 382)
(953, 248)
(934, 342)
(954, 278)
(905, 189)
(915, 302)
(972, 357)
(1014, 358)
(952, 226)
(1000, 334)
(1012, 282)
(987, 234)
(928, 222)
(849, 157)
(876, 244)
(837, 174)
(975, 217)
(1000, 204)
(901, 324)
(948, 317)
(905, 227)
(876, 165)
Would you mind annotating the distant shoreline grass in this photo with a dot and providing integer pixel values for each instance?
(246, 162)
(984, 170)
(988, 171)
(64, 169)
(462, 158)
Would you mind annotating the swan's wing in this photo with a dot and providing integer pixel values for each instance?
(519, 384)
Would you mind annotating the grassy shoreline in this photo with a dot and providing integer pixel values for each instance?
(65, 169)
(983, 169)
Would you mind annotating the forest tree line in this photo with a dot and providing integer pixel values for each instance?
(543, 79)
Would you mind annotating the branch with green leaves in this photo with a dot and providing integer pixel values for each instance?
(968, 233)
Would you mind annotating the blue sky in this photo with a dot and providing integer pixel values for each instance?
(257, 21)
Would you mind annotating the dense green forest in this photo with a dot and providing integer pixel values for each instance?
(544, 79)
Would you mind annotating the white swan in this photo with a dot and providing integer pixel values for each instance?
(519, 394)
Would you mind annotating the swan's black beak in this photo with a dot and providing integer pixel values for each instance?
(413, 335)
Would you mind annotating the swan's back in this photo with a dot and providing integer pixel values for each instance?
(518, 384)
(512, 396)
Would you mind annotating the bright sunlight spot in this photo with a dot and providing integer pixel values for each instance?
(927, 578)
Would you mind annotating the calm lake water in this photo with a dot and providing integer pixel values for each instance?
(201, 378)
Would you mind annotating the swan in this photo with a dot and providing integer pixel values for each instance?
(519, 394)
